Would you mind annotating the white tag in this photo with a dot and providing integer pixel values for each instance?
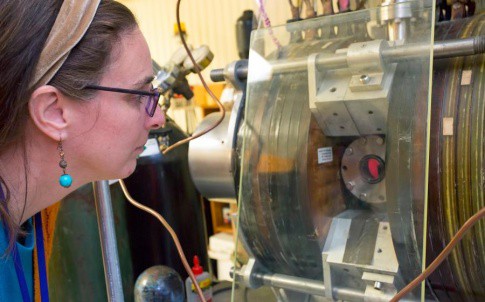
(151, 148)
(466, 77)
(325, 155)
(447, 126)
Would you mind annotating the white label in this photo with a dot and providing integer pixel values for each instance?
(151, 148)
(466, 77)
(325, 155)
(447, 126)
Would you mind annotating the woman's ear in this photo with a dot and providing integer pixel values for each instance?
(47, 107)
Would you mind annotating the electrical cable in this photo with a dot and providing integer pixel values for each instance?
(295, 9)
(172, 233)
(213, 96)
(267, 23)
(442, 256)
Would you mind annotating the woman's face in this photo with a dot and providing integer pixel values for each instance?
(113, 127)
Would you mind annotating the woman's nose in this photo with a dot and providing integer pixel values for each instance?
(157, 120)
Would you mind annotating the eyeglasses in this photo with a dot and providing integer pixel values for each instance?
(153, 96)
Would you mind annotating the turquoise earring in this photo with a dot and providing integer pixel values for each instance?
(65, 180)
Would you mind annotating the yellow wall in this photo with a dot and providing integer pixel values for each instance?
(211, 22)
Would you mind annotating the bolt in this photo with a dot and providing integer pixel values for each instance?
(350, 185)
(364, 79)
(363, 196)
(378, 285)
(379, 141)
(349, 151)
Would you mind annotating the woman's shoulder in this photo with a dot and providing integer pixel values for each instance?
(24, 244)
(9, 288)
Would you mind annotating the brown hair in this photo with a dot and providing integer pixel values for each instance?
(24, 27)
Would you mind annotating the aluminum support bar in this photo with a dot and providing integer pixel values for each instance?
(308, 286)
(460, 47)
(297, 284)
(441, 50)
(107, 235)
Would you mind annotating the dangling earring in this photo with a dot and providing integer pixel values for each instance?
(65, 180)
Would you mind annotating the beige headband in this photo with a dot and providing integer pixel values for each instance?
(71, 24)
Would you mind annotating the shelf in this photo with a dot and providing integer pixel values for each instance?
(204, 100)
(221, 213)
(223, 229)
(224, 200)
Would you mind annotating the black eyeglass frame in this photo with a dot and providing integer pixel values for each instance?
(151, 106)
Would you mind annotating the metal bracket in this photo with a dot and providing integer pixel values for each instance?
(248, 272)
(360, 256)
(352, 101)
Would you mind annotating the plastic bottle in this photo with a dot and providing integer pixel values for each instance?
(205, 282)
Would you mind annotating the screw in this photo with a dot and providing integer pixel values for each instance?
(364, 79)
(349, 151)
(378, 285)
(363, 196)
(379, 141)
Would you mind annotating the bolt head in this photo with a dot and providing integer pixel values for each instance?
(364, 79)
(378, 285)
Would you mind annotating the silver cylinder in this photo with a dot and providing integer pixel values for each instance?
(210, 158)
(398, 30)
(308, 286)
(396, 54)
(312, 287)
(107, 236)
(293, 283)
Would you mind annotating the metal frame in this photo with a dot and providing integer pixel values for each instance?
(107, 234)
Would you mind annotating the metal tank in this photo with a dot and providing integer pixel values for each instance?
(163, 183)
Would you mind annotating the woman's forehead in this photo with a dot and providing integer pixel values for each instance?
(131, 63)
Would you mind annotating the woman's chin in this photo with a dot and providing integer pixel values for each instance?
(127, 170)
(118, 172)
